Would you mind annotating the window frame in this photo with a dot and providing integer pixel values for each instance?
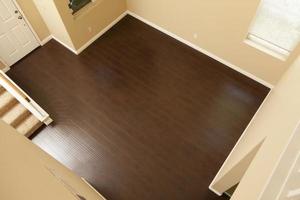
(263, 44)
(267, 47)
(75, 11)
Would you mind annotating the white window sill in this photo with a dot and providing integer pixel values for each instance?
(86, 9)
(267, 48)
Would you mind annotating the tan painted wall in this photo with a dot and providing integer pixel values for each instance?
(97, 18)
(286, 176)
(53, 20)
(34, 17)
(24, 174)
(221, 27)
(73, 30)
(276, 121)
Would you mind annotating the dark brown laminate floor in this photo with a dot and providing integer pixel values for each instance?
(140, 115)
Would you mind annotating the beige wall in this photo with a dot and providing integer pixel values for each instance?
(97, 18)
(34, 17)
(285, 176)
(276, 122)
(53, 20)
(221, 27)
(77, 30)
(24, 174)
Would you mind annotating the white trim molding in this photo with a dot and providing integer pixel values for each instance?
(215, 57)
(190, 44)
(96, 191)
(65, 45)
(24, 99)
(46, 40)
(93, 39)
(83, 47)
(267, 47)
(278, 163)
(27, 21)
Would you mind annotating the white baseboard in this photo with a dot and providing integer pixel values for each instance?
(86, 182)
(65, 45)
(6, 69)
(236, 68)
(221, 60)
(47, 39)
(83, 47)
(101, 32)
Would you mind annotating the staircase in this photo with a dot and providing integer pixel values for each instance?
(18, 110)
(15, 114)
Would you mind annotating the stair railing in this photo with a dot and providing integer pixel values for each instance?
(24, 99)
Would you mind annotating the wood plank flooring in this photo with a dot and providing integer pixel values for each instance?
(138, 114)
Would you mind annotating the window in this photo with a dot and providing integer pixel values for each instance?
(277, 26)
(76, 5)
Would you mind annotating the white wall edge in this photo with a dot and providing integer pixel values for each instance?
(71, 49)
(238, 142)
(46, 40)
(278, 161)
(234, 67)
(83, 47)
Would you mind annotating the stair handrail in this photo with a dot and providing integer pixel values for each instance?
(24, 99)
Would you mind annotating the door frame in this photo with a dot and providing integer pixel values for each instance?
(7, 68)
(27, 21)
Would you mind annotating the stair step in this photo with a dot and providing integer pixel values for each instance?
(29, 125)
(15, 115)
(6, 102)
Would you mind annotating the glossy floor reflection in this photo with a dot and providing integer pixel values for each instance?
(138, 114)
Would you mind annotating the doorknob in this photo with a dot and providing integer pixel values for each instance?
(20, 17)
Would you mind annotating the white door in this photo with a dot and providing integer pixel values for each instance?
(16, 38)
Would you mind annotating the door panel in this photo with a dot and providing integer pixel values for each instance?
(6, 42)
(21, 36)
(16, 38)
(4, 12)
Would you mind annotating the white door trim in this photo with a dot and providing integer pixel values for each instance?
(7, 67)
(27, 22)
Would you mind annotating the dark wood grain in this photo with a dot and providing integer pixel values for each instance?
(139, 114)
